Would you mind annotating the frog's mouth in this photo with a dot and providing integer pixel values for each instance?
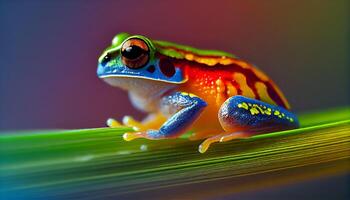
(149, 72)
(144, 87)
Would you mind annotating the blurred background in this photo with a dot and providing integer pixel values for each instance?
(49, 51)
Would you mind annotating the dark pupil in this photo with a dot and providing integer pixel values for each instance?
(132, 52)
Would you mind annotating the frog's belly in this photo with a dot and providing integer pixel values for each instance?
(207, 124)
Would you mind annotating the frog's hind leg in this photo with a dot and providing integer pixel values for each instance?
(242, 117)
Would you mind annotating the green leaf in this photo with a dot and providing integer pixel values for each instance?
(98, 163)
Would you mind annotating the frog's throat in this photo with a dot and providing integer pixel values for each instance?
(141, 86)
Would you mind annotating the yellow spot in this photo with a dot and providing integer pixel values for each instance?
(226, 61)
(231, 90)
(242, 64)
(209, 61)
(220, 60)
(254, 111)
(291, 119)
(189, 57)
(220, 85)
(259, 108)
(189, 94)
(262, 91)
(276, 112)
(243, 105)
(242, 81)
(220, 89)
(268, 111)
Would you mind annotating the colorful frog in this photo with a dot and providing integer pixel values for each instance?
(211, 93)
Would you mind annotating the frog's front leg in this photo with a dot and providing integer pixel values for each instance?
(152, 121)
(186, 108)
(242, 117)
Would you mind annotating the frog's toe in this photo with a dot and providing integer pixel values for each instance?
(131, 122)
(207, 142)
(221, 138)
(134, 135)
(113, 123)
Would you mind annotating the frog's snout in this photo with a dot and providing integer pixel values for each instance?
(105, 70)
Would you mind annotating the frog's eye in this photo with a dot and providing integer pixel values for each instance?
(135, 53)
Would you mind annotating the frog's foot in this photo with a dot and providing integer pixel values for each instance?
(221, 138)
(178, 123)
(131, 122)
(127, 121)
(152, 121)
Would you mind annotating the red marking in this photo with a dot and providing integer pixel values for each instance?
(194, 71)
(250, 75)
(236, 85)
(198, 71)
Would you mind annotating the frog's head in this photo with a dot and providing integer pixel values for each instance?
(135, 58)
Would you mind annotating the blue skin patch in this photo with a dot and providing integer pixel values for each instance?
(257, 115)
(115, 68)
(189, 107)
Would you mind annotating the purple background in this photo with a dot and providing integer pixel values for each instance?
(49, 52)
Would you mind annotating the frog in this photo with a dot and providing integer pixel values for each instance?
(214, 95)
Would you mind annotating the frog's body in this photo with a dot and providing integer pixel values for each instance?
(212, 93)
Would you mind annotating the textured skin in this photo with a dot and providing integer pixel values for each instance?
(211, 93)
(239, 112)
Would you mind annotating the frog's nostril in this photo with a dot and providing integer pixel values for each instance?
(106, 59)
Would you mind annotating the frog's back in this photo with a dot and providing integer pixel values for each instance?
(216, 76)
